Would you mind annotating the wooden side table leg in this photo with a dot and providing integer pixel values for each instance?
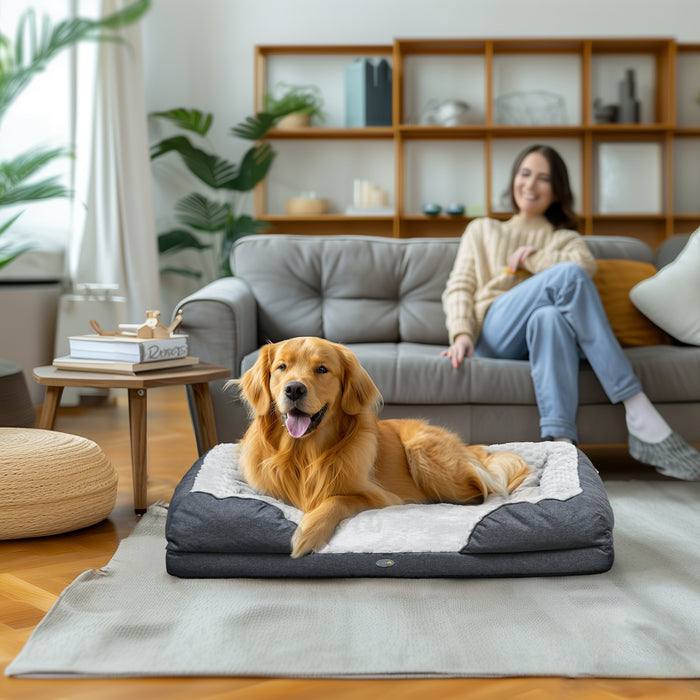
(205, 414)
(137, 430)
(47, 418)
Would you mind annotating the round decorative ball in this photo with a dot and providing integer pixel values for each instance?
(431, 209)
(52, 482)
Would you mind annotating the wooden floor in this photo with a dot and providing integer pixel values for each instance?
(34, 572)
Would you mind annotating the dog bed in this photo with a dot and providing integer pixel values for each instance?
(558, 522)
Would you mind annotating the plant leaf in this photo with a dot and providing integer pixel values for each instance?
(188, 119)
(14, 172)
(212, 170)
(253, 168)
(9, 250)
(254, 128)
(34, 48)
(202, 214)
(184, 271)
(179, 239)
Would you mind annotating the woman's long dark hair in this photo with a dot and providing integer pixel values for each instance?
(561, 211)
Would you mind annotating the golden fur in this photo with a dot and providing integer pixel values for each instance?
(347, 460)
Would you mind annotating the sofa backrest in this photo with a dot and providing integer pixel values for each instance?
(362, 289)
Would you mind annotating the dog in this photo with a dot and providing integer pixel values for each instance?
(315, 441)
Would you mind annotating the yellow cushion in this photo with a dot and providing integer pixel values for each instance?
(52, 482)
(614, 280)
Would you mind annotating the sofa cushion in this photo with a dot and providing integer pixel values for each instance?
(614, 279)
(415, 374)
(348, 289)
(670, 298)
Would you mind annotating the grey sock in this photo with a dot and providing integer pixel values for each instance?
(673, 456)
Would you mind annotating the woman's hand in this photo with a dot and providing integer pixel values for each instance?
(519, 256)
(461, 348)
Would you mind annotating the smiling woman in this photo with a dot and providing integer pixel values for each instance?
(555, 317)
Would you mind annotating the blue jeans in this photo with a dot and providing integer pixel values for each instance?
(553, 319)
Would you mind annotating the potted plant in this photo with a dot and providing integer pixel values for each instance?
(20, 61)
(297, 105)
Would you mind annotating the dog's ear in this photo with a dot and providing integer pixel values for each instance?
(359, 391)
(255, 383)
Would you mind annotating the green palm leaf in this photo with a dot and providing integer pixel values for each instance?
(202, 214)
(188, 119)
(211, 169)
(14, 172)
(254, 128)
(179, 239)
(34, 47)
(253, 168)
(9, 250)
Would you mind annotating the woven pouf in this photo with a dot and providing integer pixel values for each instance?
(52, 482)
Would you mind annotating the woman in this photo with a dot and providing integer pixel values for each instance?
(523, 289)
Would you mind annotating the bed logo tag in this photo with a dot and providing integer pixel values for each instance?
(384, 563)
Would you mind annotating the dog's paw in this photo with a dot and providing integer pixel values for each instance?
(305, 541)
(302, 543)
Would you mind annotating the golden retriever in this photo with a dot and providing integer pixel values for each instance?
(315, 442)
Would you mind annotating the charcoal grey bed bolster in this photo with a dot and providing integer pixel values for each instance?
(559, 522)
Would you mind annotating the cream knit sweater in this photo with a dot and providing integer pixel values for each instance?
(480, 270)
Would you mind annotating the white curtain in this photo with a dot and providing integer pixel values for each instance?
(113, 237)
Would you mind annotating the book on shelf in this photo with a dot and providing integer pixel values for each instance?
(124, 348)
(120, 367)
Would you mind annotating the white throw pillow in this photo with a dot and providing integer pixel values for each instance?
(671, 298)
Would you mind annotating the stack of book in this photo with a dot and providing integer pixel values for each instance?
(125, 354)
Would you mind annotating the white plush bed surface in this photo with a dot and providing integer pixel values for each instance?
(409, 528)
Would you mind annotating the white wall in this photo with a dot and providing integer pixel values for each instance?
(199, 53)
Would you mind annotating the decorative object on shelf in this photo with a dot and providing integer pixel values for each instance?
(619, 192)
(150, 328)
(368, 197)
(297, 105)
(604, 114)
(368, 93)
(307, 203)
(630, 107)
(431, 209)
(454, 209)
(530, 107)
(446, 113)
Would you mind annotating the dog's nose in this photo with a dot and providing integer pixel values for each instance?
(294, 391)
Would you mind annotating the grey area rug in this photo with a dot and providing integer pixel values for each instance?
(641, 619)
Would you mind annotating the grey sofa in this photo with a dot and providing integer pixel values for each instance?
(381, 298)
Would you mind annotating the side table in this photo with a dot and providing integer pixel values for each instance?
(198, 376)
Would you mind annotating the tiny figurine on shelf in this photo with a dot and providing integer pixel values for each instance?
(151, 328)
(431, 209)
(604, 113)
(630, 107)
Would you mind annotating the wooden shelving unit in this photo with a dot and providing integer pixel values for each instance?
(659, 154)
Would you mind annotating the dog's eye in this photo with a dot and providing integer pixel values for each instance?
(281, 367)
(321, 369)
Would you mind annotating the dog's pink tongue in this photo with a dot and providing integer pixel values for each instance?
(297, 423)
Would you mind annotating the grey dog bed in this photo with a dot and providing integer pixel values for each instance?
(558, 522)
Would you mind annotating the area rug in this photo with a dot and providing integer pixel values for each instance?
(641, 619)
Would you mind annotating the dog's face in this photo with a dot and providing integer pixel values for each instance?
(307, 383)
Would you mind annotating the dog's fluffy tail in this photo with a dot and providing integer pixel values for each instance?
(447, 469)
(506, 471)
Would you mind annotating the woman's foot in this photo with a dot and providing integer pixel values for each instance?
(672, 456)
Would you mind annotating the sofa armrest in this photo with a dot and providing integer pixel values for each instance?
(221, 322)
